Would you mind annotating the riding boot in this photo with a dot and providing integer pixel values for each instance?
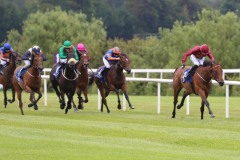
(192, 70)
(100, 73)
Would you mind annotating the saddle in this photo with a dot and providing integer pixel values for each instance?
(186, 78)
(103, 79)
(20, 73)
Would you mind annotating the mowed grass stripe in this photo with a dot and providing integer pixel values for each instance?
(133, 134)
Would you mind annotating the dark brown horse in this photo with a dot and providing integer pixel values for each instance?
(31, 82)
(115, 80)
(6, 77)
(66, 83)
(82, 81)
(200, 85)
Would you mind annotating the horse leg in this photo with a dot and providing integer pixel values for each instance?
(5, 96)
(80, 106)
(85, 93)
(127, 98)
(202, 109)
(74, 106)
(176, 92)
(69, 102)
(20, 104)
(13, 96)
(204, 96)
(55, 87)
(185, 94)
(102, 92)
(119, 102)
(62, 104)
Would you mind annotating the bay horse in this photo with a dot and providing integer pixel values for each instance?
(200, 85)
(31, 81)
(115, 80)
(82, 81)
(67, 82)
(6, 77)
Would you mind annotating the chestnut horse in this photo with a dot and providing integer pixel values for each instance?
(31, 81)
(115, 80)
(6, 77)
(200, 85)
(82, 81)
(66, 83)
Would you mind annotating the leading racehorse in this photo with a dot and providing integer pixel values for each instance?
(31, 81)
(200, 85)
(6, 77)
(114, 81)
(66, 83)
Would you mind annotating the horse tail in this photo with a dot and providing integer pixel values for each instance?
(90, 79)
(175, 71)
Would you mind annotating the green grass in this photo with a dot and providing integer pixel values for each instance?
(138, 134)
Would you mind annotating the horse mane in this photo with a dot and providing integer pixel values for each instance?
(124, 54)
(207, 63)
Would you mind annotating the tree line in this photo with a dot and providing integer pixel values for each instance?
(49, 27)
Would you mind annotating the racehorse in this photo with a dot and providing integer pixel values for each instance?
(66, 83)
(115, 80)
(200, 85)
(31, 81)
(6, 77)
(82, 81)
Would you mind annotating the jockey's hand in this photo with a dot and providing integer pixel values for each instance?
(7, 60)
(183, 66)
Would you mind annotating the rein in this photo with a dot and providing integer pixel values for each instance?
(63, 74)
(33, 75)
(203, 78)
(209, 73)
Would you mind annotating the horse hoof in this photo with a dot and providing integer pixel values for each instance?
(119, 107)
(30, 105)
(108, 111)
(212, 116)
(173, 116)
(179, 107)
(35, 107)
(132, 107)
(75, 109)
(80, 107)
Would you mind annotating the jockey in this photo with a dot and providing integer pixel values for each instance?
(197, 55)
(81, 49)
(111, 57)
(63, 52)
(4, 55)
(27, 56)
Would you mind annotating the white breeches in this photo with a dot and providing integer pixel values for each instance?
(3, 62)
(106, 63)
(197, 61)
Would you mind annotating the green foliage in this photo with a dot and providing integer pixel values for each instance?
(220, 32)
(50, 29)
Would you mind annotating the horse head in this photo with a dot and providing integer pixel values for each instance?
(84, 60)
(17, 58)
(72, 63)
(125, 63)
(217, 73)
(37, 61)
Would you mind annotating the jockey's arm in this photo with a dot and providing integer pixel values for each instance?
(44, 56)
(26, 55)
(110, 58)
(2, 58)
(211, 57)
